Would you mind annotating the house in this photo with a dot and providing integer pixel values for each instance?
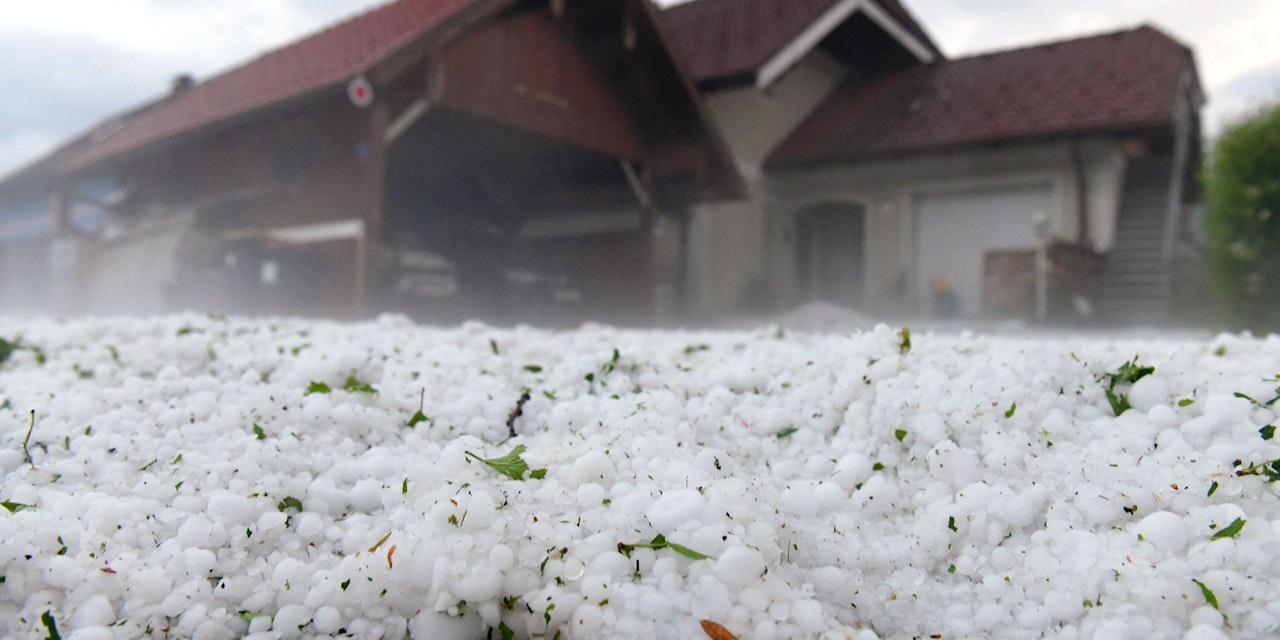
(448, 158)
(888, 178)
(568, 159)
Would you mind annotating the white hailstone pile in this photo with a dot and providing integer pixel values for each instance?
(202, 477)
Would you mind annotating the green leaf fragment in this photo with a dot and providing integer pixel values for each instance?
(505, 631)
(660, 542)
(951, 523)
(355, 386)
(1269, 469)
(900, 434)
(345, 583)
(317, 387)
(687, 552)
(1208, 595)
(50, 625)
(1128, 373)
(1012, 409)
(15, 507)
(288, 503)
(257, 431)
(1186, 402)
(1119, 403)
(787, 433)
(380, 542)
(904, 340)
(511, 465)
(1230, 531)
(1268, 432)
(417, 419)
(533, 368)
(1212, 488)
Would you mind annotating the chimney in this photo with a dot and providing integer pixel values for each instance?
(181, 83)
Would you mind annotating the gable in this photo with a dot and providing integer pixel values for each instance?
(525, 71)
(755, 41)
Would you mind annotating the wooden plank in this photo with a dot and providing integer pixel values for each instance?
(373, 186)
(525, 71)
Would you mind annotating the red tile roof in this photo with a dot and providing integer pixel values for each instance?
(728, 38)
(328, 58)
(1114, 82)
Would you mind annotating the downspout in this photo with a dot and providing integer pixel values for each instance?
(1182, 144)
(1083, 230)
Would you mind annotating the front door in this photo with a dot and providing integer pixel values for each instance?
(830, 253)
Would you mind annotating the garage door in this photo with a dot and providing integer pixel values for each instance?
(957, 231)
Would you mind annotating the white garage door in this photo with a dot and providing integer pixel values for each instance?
(956, 229)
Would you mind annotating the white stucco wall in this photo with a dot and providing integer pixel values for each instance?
(889, 191)
(754, 121)
(728, 241)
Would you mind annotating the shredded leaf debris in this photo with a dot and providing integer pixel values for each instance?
(511, 465)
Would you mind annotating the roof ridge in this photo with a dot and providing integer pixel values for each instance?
(1053, 44)
(328, 28)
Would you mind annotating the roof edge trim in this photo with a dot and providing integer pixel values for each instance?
(904, 37)
(798, 48)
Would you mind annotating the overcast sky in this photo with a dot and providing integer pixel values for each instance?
(71, 63)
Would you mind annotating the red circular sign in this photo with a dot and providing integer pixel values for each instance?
(360, 92)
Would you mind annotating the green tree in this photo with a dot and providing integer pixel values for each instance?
(1242, 222)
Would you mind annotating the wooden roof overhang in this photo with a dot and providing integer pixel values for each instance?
(644, 107)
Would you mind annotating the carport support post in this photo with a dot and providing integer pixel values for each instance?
(58, 211)
(63, 267)
(642, 188)
(649, 263)
(372, 188)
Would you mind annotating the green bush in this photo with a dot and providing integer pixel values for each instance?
(1242, 196)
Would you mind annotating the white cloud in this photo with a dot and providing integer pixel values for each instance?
(72, 63)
